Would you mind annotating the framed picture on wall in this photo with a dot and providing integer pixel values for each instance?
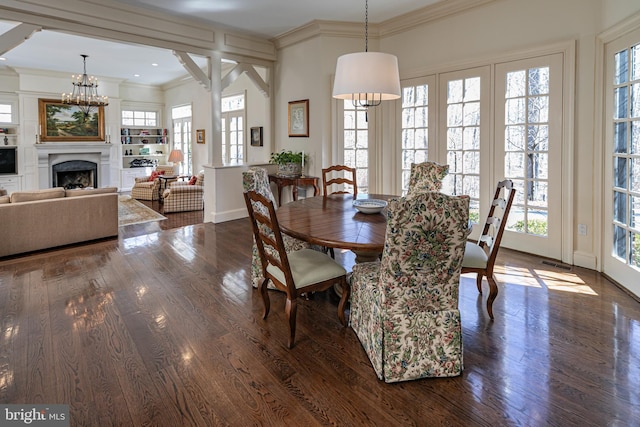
(200, 136)
(256, 136)
(63, 122)
(299, 118)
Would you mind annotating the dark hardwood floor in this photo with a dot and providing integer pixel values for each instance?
(161, 327)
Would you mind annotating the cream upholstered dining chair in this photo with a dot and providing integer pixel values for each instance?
(183, 196)
(257, 179)
(339, 175)
(426, 176)
(294, 273)
(480, 257)
(404, 308)
(148, 187)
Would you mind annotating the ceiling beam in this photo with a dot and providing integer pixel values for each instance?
(193, 69)
(16, 36)
(251, 73)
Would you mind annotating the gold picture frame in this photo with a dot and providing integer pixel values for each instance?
(299, 118)
(64, 122)
(200, 136)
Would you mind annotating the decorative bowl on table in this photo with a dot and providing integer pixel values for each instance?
(369, 206)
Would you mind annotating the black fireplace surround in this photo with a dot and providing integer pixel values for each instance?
(75, 174)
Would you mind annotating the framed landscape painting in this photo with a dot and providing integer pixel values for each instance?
(62, 122)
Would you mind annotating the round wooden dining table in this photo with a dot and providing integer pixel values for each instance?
(333, 222)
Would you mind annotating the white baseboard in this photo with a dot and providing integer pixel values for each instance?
(586, 260)
(218, 217)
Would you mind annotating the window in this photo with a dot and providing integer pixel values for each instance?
(621, 196)
(6, 115)
(625, 192)
(356, 144)
(139, 118)
(233, 119)
(526, 146)
(415, 129)
(463, 141)
(181, 117)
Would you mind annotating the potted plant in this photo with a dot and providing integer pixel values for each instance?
(289, 163)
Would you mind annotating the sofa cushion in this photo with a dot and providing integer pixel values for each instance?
(5, 199)
(87, 191)
(193, 179)
(29, 196)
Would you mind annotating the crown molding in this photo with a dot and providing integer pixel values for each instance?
(389, 27)
(325, 28)
(430, 13)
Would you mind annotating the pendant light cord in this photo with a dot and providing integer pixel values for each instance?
(366, 25)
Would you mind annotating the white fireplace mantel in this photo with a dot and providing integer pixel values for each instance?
(50, 154)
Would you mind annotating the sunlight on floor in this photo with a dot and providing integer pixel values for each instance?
(541, 278)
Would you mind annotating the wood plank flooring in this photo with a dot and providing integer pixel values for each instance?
(161, 327)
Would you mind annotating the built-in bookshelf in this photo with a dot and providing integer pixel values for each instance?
(143, 147)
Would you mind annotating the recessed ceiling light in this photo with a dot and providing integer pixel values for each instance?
(136, 75)
(2, 58)
(154, 64)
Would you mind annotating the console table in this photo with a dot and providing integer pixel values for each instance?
(295, 181)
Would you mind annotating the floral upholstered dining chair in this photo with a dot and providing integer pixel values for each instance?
(257, 179)
(404, 308)
(426, 176)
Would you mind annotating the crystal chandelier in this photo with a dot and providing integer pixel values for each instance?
(367, 78)
(85, 92)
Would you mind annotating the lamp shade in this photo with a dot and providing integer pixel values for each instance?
(367, 75)
(176, 156)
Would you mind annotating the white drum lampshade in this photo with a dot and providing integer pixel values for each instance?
(367, 78)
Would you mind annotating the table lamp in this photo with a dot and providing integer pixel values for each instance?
(176, 157)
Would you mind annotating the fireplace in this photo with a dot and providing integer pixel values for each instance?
(76, 164)
(75, 174)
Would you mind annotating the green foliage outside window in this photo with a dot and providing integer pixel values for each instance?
(534, 226)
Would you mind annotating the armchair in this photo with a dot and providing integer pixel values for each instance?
(404, 308)
(183, 197)
(146, 188)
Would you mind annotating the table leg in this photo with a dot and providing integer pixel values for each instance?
(294, 192)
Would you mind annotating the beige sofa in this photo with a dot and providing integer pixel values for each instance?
(41, 219)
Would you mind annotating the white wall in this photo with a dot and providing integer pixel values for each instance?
(615, 11)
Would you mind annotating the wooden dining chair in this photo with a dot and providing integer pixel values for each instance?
(295, 273)
(480, 257)
(339, 175)
(257, 179)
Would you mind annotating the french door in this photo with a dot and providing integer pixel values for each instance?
(528, 150)
(464, 139)
(519, 137)
(621, 234)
